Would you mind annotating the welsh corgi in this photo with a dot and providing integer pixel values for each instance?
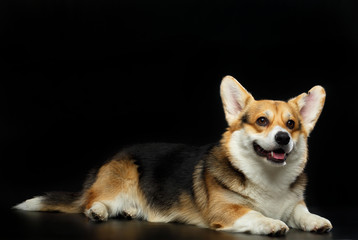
(251, 181)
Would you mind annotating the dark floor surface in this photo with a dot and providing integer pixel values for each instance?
(37, 225)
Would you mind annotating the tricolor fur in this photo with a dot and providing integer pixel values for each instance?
(251, 181)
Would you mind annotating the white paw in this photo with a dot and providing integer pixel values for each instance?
(256, 223)
(315, 223)
(273, 227)
(98, 212)
(130, 213)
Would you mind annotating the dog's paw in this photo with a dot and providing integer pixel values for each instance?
(256, 223)
(272, 227)
(98, 212)
(315, 223)
(130, 213)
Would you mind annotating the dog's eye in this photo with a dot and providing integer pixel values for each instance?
(290, 124)
(262, 121)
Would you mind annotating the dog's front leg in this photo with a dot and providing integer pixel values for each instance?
(247, 220)
(302, 219)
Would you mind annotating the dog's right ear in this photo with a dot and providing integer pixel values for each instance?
(234, 98)
(310, 106)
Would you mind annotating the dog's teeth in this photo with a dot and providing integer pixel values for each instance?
(272, 154)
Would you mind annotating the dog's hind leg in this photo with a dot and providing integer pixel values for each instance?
(115, 191)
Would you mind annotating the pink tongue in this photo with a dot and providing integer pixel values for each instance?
(280, 156)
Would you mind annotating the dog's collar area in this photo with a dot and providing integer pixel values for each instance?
(276, 156)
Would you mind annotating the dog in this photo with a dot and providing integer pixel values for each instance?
(251, 181)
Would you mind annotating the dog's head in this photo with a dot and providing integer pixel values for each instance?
(270, 131)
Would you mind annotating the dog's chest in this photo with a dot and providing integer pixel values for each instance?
(277, 205)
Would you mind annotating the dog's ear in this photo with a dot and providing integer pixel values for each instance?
(234, 98)
(310, 106)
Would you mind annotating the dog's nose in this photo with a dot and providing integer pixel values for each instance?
(282, 138)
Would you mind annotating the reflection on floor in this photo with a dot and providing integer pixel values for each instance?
(36, 225)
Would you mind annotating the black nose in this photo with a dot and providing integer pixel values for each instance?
(282, 138)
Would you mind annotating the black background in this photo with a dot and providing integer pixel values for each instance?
(81, 79)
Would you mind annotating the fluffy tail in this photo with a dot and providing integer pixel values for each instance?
(54, 201)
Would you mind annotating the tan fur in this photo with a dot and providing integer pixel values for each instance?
(113, 178)
(221, 211)
(187, 211)
(277, 112)
(217, 189)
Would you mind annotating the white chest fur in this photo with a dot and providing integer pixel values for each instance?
(273, 204)
(269, 186)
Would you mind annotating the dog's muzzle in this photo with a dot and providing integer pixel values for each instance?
(276, 156)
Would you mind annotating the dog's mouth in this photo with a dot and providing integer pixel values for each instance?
(276, 156)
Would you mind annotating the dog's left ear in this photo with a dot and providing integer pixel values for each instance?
(310, 106)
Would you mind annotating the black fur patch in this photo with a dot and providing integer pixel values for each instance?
(299, 125)
(240, 175)
(166, 170)
(245, 118)
(224, 186)
(91, 178)
(203, 173)
(60, 198)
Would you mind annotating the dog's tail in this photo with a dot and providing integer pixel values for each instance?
(67, 202)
